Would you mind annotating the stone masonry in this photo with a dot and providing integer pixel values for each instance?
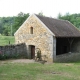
(41, 37)
(18, 51)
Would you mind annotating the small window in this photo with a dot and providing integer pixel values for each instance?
(31, 30)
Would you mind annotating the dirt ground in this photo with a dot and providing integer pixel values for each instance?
(19, 61)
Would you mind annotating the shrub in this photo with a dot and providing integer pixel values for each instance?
(15, 56)
(7, 56)
(1, 55)
(10, 56)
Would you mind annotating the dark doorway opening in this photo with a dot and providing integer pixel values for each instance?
(32, 51)
(64, 49)
(62, 46)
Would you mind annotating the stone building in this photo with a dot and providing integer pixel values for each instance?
(51, 36)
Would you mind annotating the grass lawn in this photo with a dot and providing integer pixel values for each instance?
(37, 71)
(4, 40)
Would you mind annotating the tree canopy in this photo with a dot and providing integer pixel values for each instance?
(73, 18)
(15, 22)
(6, 23)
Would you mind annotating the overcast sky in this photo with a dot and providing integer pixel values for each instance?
(50, 8)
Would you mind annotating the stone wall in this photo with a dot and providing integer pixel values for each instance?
(41, 37)
(14, 50)
(68, 57)
(76, 45)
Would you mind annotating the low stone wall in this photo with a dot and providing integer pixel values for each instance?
(18, 50)
(76, 45)
(68, 57)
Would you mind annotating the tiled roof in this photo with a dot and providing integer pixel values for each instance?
(61, 28)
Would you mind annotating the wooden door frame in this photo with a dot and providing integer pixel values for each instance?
(32, 51)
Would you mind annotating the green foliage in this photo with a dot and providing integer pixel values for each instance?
(5, 25)
(19, 20)
(59, 15)
(41, 13)
(8, 56)
(16, 56)
(15, 22)
(3, 56)
(39, 54)
(73, 18)
(6, 40)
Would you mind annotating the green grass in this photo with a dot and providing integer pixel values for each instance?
(37, 71)
(4, 40)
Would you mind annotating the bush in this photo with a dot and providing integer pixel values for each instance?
(39, 54)
(8, 56)
(15, 56)
(1, 55)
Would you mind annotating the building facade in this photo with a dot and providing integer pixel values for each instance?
(41, 33)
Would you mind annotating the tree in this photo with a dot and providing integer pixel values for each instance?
(73, 18)
(5, 32)
(59, 16)
(40, 13)
(21, 17)
(15, 22)
(1, 28)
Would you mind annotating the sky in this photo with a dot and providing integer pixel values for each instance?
(50, 8)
